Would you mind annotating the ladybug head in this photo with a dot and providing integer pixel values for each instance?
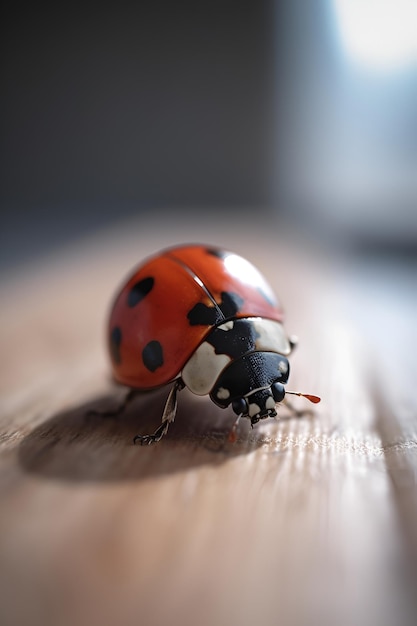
(260, 403)
(252, 384)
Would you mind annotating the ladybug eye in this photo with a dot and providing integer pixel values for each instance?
(278, 391)
(240, 406)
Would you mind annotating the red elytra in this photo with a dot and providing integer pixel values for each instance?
(151, 334)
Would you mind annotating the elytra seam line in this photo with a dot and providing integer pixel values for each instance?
(199, 282)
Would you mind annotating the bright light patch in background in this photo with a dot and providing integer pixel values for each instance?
(379, 34)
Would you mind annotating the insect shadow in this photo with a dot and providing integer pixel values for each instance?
(82, 445)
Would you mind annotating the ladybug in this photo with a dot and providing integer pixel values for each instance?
(203, 318)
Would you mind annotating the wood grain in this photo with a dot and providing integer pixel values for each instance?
(302, 521)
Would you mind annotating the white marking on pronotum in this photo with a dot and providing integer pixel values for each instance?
(283, 367)
(254, 409)
(203, 369)
(227, 325)
(223, 394)
(271, 336)
(270, 403)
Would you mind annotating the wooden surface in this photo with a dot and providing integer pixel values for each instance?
(302, 521)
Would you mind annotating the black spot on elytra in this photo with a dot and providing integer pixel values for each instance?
(230, 304)
(203, 315)
(115, 341)
(139, 291)
(152, 355)
(220, 254)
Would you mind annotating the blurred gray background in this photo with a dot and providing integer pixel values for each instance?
(288, 109)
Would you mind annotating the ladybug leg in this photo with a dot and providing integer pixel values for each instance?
(232, 438)
(168, 416)
(146, 440)
(120, 409)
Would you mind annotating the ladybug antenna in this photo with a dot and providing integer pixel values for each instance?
(313, 399)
